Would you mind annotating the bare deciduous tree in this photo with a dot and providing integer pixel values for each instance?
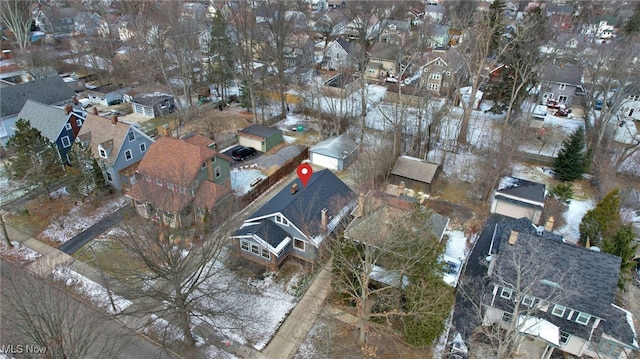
(16, 15)
(42, 313)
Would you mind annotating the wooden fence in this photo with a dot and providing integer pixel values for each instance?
(266, 183)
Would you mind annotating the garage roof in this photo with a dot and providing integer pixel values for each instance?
(339, 147)
(259, 131)
(415, 169)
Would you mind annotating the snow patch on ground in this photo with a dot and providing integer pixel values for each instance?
(214, 352)
(256, 307)
(94, 291)
(289, 139)
(573, 217)
(241, 179)
(76, 221)
(168, 331)
(19, 253)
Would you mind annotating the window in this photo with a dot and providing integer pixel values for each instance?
(298, 244)
(265, 253)
(183, 190)
(143, 147)
(159, 182)
(213, 160)
(204, 165)
(435, 75)
(170, 186)
(67, 126)
(608, 348)
(564, 337)
(132, 136)
(217, 172)
(506, 293)
(65, 141)
(434, 87)
(558, 310)
(447, 73)
(147, 178)
(79, 122)
(446, 84)
(506, 317)
(109, 177)
(255, 249)
(562, 87)
(244, 245)
(281, 220)
(583, 318)
(103, 153)
(528, 300)
(128, 155)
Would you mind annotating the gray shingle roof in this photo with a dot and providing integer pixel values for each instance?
(336, 147)
(47, 119)
(415, 169)
(303, 209)
(260, 131)
(266, 230)
(571, 75)
(522, 189)
(49, 91)
(522, 225)
(590, 278)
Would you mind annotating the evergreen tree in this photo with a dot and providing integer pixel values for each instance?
(622, 245)
(572, 160)
(603, 221)
(36, 159)
(221, 60)
(496, 22)
(632, 27)
(85, 175)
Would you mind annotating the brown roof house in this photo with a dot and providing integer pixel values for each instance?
(179, 180)
(414, 173)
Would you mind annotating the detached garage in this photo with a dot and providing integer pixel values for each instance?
(414, 173)
(259, 137)
(335, 153)
(518, 198)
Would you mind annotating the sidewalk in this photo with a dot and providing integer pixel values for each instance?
(297, 325)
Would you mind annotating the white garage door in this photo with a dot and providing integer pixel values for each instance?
(249, 142)
(324, 161)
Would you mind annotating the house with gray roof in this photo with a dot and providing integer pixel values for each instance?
(259, 137)
(335, 153)
(49, 91)
(339, 54)
(58, 125)
(414, 173)
(517, 198)
(296, 221)
(562, 84)
(119, 147)
(57, 21)
(559, 296)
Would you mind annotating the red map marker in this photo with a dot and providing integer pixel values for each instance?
(304, 173)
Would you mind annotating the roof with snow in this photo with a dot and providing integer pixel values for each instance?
(521, 189)
(303, 208)
(336, 147)
(415, 169)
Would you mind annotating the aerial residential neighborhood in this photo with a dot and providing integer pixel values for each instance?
(319, 179)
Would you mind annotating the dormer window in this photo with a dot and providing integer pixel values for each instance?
(506, 293)
(583, 318)
(558, 310)
(281, 220)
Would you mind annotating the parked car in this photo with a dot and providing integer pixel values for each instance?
(562, 112)
(241, 153)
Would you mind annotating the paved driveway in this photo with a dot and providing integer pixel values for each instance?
(279, 158)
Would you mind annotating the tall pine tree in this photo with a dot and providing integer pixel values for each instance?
(603, 221)
(36, 159)
(573, 159)
(221, 60)
(622, 245)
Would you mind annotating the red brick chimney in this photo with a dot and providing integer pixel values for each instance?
(95, 111)
(75, 101)
(68, 109)
(114, 119)
(294, 188)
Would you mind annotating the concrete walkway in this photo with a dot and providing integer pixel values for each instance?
(297, 325)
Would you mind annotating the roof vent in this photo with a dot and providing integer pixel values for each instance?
(294, 188)
(540, 230)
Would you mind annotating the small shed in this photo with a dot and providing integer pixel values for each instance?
(414, 173)
(518, 198)
(335, 153)
(259, 137)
